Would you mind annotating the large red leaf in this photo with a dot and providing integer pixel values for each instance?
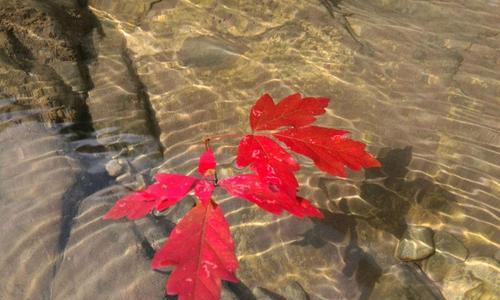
(292, 110)
(266, 196)
(269, 161)
(329, 148)
(202, 251)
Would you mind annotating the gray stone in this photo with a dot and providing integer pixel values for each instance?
(485, 268)
(456, 287)
(261, 294)
(106, 259)
(114, 168)
(416, 244)
(69, 72)
(204, 52)
(448, 258)
(439, 266)
(130, 11)
(35, 176)
(401, 282)
(227, 294)
(447, 244)
(294, 291)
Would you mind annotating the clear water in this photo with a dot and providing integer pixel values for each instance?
(417, 81)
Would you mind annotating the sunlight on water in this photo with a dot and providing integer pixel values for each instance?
(92, 107)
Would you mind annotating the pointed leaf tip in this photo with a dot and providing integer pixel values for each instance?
(207, 162)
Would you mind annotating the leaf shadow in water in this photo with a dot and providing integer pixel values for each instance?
(387, 198)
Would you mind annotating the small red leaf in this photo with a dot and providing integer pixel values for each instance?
(292, 110)
(329, 148)
(171, 188)
(133, 206)
(269, 161)
(202, 251)
(207, 162)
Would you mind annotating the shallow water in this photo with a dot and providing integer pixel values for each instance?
(92, 108)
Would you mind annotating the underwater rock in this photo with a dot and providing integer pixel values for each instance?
(35, 180)
(448, 244)
(294, 291)
(47, 31)
(118, 104)
(441, 202)
(114, 167)
(416, 244)
(449, 255)
(456, 287)
(130, 11)
(484, 268)
(120, 250)
(207, 52)
(45, 46)
(227, 294)
(71, 75)
(401, 282)
(263, 294)
(476, 279)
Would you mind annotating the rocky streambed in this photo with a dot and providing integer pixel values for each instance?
(98, 96)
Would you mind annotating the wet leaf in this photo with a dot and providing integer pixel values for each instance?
(329, 148)
(268, 197)
(202, 251)
(269, 161)
(133, 206)
(292, 110)
(207, 162)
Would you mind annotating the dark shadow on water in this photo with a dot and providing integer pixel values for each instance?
(389, 197)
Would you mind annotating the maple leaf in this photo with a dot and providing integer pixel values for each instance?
(202, 251)
(133, 206)
(167, 191)
(330, 149)
(269, 161)
(292, 110)
(266, 196)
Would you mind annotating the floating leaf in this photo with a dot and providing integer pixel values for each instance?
(329, 148)
(202, 251)
(266, 196)
(269, 161)
(292, 110)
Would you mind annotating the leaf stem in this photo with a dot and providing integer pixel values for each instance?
(207, 140)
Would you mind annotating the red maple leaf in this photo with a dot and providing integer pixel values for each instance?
(169, 189)
(292, 110)
(268, 197)
(202, 251)
(329, 148)
(269, 161)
